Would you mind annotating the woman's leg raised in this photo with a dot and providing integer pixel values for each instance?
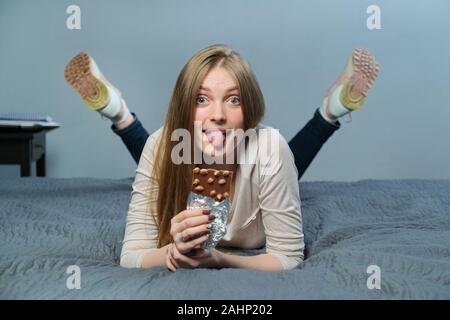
(347, 94)
(307, 143)
(134, 136)
(98, 94)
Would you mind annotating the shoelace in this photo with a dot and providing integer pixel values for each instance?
(349, 116)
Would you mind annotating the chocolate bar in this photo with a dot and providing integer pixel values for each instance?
(212, 183)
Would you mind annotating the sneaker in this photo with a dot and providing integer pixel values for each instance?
(355, 81)
(83, 74)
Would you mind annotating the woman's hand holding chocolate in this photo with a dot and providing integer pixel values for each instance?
(189, 229)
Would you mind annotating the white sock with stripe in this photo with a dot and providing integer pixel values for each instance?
(336, 108)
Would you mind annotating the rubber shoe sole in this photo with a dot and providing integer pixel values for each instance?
(361, 72)
(83, 75)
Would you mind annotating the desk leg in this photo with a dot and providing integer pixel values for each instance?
(40, 166)
(25, 168)
(25, 160)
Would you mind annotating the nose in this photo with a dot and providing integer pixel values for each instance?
(217, 113)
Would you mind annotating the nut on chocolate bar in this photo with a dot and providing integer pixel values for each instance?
(212, 183)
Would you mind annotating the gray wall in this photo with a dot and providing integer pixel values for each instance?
(296, 48)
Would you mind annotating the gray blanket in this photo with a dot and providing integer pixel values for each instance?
(400, 227)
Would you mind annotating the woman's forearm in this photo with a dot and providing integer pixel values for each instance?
(155, 258)
(265, 262)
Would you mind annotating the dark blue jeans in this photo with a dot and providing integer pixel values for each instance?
(305, 145)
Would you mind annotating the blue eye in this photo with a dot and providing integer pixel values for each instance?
(235, 100)
(200, 100)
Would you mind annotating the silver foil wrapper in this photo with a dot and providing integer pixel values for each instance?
(220, 211)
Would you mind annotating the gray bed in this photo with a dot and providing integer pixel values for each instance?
(403, 227)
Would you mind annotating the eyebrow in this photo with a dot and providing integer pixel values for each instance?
(229, 90)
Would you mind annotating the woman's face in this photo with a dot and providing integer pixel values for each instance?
(218, 108)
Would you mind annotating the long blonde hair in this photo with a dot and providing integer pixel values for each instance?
(174, 181)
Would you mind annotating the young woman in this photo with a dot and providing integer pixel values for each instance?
(218, 90)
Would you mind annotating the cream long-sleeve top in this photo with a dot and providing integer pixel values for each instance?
(265, 208)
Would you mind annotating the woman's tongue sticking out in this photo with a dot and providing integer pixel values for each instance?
(216, 138)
